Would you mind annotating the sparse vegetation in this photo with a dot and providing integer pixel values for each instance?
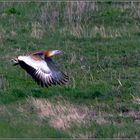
(100, 41)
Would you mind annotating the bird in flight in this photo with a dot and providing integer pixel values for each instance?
(42, 68)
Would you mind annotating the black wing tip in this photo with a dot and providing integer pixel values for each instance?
(63, 79)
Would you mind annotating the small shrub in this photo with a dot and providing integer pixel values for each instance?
(13, 11)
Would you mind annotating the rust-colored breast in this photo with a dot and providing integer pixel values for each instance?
(47, 53)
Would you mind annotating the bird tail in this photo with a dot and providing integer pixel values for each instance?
(14, 61)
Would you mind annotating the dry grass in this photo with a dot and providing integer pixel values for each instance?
(135, 115)
(37, 31)
(2, 33)
(61, 114)
(64, 115)
(136, 100)
(81, 30)
(3, 82)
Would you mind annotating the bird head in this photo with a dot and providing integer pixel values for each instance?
(50, 53)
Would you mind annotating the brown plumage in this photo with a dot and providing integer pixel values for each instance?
(42, 68)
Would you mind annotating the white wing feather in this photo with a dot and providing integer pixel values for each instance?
(35, 64)
(41, 72)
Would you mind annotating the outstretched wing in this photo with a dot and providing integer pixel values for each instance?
(44, 73)
(58, 76)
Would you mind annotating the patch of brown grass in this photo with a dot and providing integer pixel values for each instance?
(61, 114)
(37, 31)
(136, 100)
(64, 115)
(135, 115)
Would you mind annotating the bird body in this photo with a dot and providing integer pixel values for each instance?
(34, 62)
(42, 68)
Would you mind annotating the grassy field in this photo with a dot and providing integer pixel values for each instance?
(101, 54)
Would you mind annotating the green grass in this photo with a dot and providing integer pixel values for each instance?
(101, 48)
